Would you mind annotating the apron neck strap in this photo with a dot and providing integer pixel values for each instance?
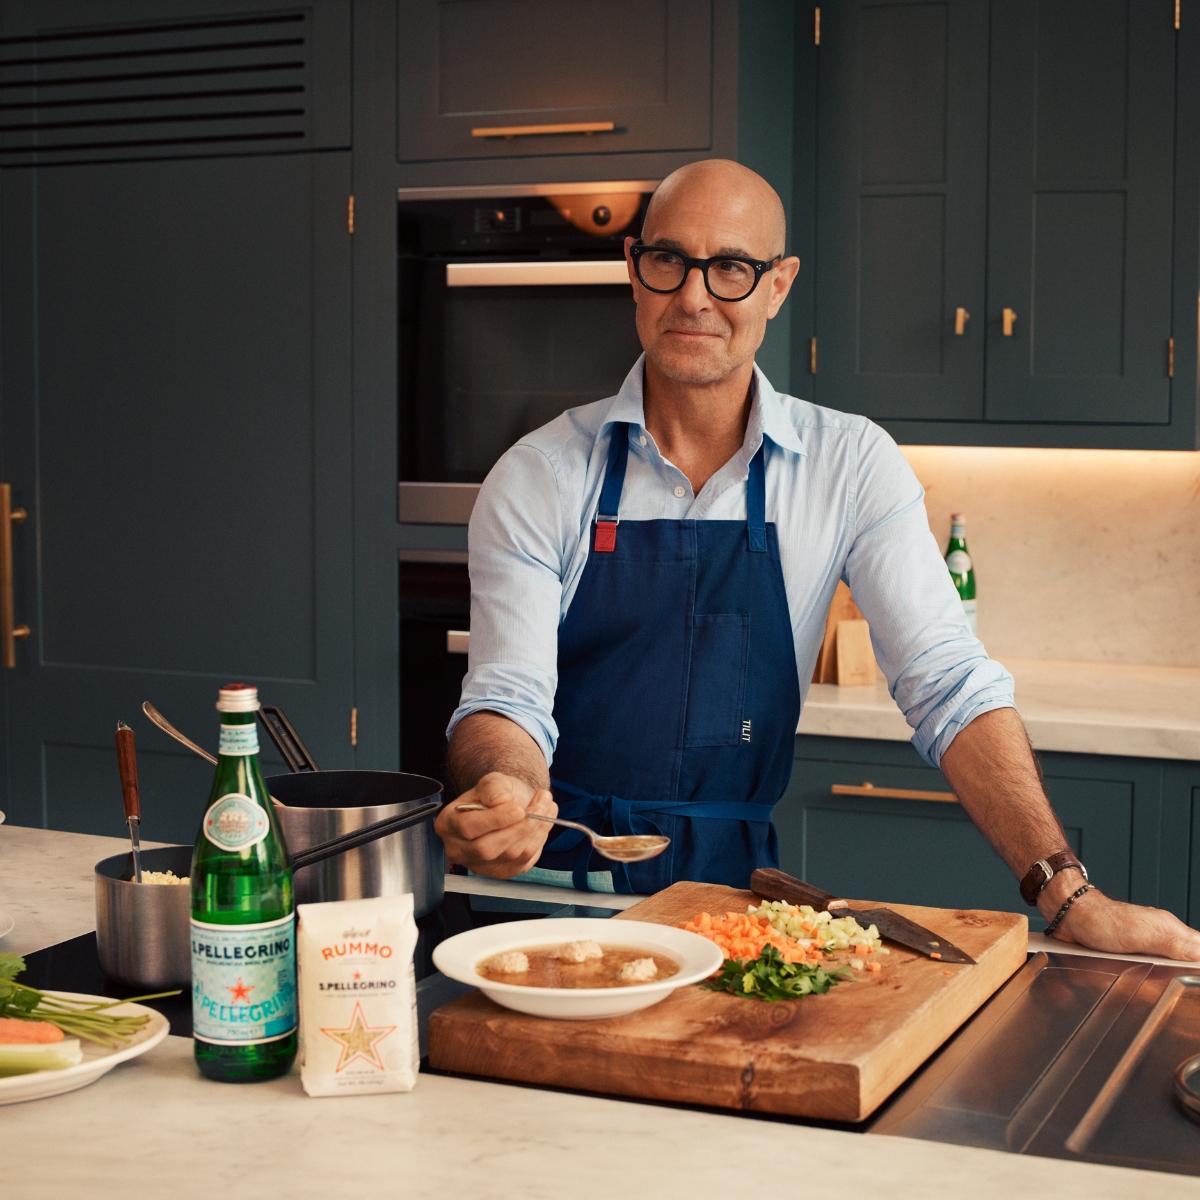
(614, 483)
(756, 502)
(614, 473)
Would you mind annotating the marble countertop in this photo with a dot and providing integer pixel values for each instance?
(156, 1118)
(1076, 707)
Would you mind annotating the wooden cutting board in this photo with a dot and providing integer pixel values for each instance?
(836, 1056)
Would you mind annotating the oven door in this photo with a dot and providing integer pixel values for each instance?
(490, 350)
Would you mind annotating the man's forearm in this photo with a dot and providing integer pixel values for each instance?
(486, 741)
(992, 769)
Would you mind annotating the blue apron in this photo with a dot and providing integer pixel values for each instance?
(677, 695)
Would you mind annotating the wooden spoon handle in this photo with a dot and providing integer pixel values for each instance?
(127, 768)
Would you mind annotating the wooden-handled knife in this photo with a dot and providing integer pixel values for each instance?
(771, 884)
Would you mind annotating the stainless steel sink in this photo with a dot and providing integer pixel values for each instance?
(1075, 1057)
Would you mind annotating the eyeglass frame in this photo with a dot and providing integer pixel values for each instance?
(760, 266)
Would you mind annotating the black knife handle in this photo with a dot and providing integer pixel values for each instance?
(772, 884)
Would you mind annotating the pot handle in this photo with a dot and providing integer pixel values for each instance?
(368, 833)
(287, 741)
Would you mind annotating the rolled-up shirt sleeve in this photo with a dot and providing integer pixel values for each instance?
(938, 672)
(515, 541)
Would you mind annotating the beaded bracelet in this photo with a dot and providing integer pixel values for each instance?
(1062, 912)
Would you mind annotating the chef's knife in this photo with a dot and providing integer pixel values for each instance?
(127, 767)
(778, 885)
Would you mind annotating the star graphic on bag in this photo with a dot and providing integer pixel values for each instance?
(241, 991)
(358, 1040)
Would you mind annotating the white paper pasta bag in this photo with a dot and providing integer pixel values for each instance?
(358, 996)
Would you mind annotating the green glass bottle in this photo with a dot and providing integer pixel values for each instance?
(243, 914)
(961, 566)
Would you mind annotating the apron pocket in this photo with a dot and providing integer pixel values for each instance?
(717, 679)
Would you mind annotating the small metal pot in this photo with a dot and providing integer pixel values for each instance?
(142, 931)
(338, 852)
(319, 806)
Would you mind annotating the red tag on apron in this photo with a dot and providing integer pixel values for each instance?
(605, 540)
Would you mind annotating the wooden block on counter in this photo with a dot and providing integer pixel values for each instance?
(855, 658)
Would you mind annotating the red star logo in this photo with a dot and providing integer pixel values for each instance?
(357, 974)
(358, 1040)
(241, 991)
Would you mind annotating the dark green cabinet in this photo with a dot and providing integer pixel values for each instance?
(174, 382)
(641, 70)
(849, 823)
(1181, 839)
(85, 82)
(1004, 221)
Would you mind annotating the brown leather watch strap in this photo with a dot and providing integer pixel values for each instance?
(1044, 870)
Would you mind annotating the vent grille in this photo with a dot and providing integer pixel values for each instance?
(154, 89)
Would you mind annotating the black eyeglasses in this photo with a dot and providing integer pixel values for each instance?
(663, 270)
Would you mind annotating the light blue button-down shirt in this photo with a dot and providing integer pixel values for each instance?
(845, 502)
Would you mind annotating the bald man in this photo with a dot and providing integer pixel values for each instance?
(650, 577)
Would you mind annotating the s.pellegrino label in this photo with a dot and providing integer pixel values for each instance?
(235, 822)
(243, 982)
(238, 740)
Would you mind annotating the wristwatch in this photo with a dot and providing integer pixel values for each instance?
(1044, 870)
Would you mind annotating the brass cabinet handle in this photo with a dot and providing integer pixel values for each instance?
(887, 793)
(1008, 318)
(961, 317)
(512, 131)
(9, 632)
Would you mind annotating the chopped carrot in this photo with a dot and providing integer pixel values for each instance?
(874, 967)
(935, 954)
(15, 1031)
(862, 950)
(743, 935)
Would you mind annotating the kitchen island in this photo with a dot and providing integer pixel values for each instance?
(155, 1122)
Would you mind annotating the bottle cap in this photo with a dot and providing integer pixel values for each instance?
(958, 518)
(237, 697)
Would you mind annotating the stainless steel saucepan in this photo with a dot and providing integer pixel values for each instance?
(315, 807)
(142, 934)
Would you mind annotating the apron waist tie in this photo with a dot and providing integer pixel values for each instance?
(620, 813)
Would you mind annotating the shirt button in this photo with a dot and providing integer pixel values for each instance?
(680, 490)
(641, 439)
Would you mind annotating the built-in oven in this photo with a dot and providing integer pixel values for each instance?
(514, 305)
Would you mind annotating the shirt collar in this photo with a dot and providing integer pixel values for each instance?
(767, 415)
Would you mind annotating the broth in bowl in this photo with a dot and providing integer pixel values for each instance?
(583, 964)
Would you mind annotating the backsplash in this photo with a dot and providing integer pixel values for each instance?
(1091, 555)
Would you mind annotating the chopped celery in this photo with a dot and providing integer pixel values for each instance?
(19, 1058)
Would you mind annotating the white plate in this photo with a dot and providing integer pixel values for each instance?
(459, 956)
(6, 924)
(97, 1059)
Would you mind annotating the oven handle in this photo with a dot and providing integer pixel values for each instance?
(457, 641)
(536, 273)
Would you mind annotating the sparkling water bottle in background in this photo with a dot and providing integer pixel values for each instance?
(960, 566)
(243, 930)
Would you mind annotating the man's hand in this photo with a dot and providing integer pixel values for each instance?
(1101, 923)
(499, 842)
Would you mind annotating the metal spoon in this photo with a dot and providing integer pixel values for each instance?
(628, 847)
(171, 731)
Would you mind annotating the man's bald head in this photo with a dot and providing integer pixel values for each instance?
(745, 194)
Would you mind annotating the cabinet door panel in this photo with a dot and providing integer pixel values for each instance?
(1080, 212)
(174, 385)
(644, 65)
(901, 191)
(930, 852)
